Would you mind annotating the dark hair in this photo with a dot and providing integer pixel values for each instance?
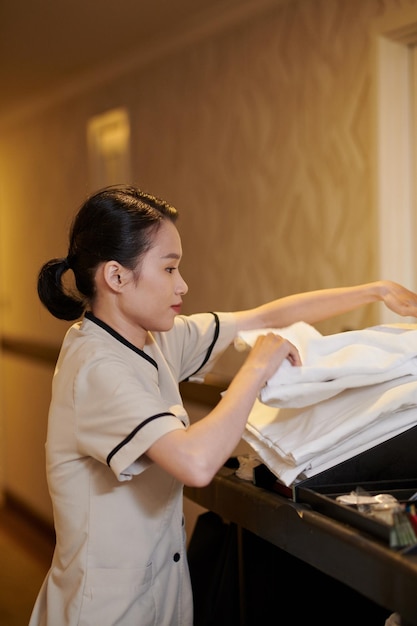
(116, 223)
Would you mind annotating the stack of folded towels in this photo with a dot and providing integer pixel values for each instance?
(354, 390)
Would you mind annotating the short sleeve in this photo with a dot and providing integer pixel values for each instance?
(120, 413)
(195, 343)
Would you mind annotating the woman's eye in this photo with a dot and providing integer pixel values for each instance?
(170, 270)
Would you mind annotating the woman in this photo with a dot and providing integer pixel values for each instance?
(119, 444)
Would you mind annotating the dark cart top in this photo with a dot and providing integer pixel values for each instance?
(388, 577)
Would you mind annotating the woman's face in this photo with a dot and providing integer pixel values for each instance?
(153, 295)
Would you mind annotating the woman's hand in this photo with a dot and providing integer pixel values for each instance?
(268, 353)
(399, 299)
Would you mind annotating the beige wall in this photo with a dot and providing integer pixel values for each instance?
(261, 134)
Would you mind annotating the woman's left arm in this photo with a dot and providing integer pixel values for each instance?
(314, 306)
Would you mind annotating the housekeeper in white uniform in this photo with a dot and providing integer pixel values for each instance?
(119, 444)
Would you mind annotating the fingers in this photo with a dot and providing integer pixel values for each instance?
(400, 299)
(294, 356)
(271, 350)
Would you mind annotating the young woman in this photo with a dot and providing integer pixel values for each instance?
(119, 444)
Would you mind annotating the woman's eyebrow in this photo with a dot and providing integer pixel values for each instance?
(171, 255)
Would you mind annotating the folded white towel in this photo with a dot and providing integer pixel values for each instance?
(333, 363)
(362, 442)
(288, 472)
(309, 440)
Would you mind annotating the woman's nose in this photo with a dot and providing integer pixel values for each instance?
(182, 287)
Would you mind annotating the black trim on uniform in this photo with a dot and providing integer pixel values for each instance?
(119, 337)
(133, 433)
(211, 346)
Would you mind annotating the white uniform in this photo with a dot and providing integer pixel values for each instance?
(120, 555)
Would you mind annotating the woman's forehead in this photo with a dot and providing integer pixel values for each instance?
(167, 241)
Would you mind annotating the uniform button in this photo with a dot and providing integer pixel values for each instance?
(177, 557)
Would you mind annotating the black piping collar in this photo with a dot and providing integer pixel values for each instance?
(119, 337)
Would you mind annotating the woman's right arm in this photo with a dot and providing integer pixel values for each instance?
(193, 456)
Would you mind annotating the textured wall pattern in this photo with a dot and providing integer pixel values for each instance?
(271, 164)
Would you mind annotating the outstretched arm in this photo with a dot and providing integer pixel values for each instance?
(314, 306)
(194, 455)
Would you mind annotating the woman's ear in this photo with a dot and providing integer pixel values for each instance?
(113, 274)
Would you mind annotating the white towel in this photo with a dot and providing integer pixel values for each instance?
(290, 474)
(308, 440)
(288, 471)
(362, 442)
(333, 363)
